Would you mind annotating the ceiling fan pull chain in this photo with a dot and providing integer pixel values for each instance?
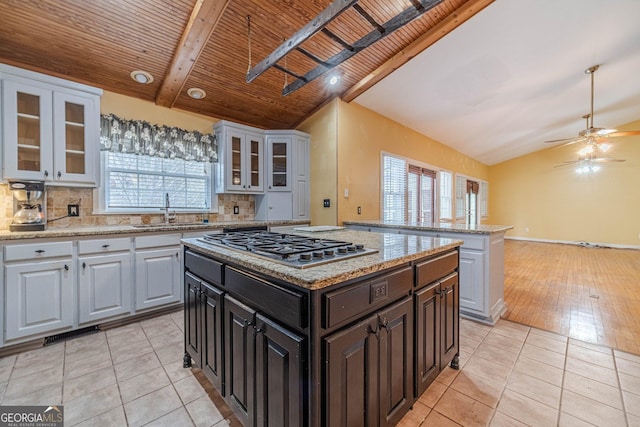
(249, 41)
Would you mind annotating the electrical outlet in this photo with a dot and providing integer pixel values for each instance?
(359, 210)
(326, 203)
(73, 210)
(236, 210)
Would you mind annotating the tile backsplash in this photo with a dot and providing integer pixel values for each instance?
(59, 197)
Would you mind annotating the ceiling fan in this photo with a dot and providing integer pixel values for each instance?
(596, 138)
(588, 163)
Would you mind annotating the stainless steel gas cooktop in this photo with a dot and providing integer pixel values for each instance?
(288, 249)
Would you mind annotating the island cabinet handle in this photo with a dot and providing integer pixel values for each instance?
(106, 246)
(40, 251)
(258, 329)
(449, 290)
(375, 331)
(384, 323)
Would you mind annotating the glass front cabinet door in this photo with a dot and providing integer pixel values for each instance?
(27, 124)
(279, 163)
(50, 133)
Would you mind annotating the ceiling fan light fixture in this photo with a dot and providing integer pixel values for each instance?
(586, 150)
(333, 79)
(604, 147)
(140, 76)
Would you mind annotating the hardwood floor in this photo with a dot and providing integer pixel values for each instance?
(586, 293)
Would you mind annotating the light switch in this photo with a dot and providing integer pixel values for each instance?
(326, 203)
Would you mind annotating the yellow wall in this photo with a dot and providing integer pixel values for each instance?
(323, 163)
(127, 107)
(559, 204)
(362, 136)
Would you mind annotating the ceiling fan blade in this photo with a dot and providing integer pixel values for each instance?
(567, 163)
(624, 133)
(607, 160)
(563, 140)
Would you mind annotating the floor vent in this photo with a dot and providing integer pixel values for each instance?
(73, 334)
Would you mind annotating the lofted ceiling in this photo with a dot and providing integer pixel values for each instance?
(491, 79)
(205, 44)
(513, 77)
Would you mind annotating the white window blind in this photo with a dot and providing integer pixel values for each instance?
(446, 190)
(461, 188)
(394, 188)
(134, 182)
(484, 196)
(421, 194)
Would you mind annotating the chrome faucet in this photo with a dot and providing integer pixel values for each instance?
(166, 208)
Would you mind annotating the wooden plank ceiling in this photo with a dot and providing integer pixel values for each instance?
(204, 44)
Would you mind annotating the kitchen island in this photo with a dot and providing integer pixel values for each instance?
(481, 261)
(335, 344)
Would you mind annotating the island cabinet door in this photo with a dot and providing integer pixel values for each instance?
(427, 308)
(279, 375)
(211, 334)
(396, 361)
(192, 318)
(350, 376)
(240, 359)
(449, 316)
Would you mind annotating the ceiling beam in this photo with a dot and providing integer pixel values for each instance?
(450, 23)
(203, 20)
(305, 33)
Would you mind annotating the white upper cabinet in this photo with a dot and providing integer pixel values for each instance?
(50, 129)
(240, 167)
(279, 162)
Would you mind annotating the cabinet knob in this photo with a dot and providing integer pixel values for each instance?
(84, 265)
(46, 173)
(66, 267)
(105, 246)
(59, 174)
(40, 251)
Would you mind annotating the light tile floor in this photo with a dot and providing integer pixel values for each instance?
(511, 375)
(127, 376)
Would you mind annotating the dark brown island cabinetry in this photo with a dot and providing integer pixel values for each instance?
(355, 353)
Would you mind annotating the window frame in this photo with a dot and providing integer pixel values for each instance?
(101, 193)
(407, 162)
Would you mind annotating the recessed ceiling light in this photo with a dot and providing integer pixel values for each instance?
(333, 79)
(196, 93)
(141, 76)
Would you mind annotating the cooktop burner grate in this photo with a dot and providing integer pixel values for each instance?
(289, 249)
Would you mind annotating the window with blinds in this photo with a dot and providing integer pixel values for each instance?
(408, 191)
(394, 188)
(461, 187)
(421, 194)
(446, 190)
(139, 183)
(484, 197)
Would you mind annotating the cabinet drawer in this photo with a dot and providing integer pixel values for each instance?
(436, 268)
(100, 246)
(350, 302)
(203, 267)
(157, 240)
(34, 251)
(283, 304)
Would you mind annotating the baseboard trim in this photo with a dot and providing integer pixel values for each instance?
(576, 243)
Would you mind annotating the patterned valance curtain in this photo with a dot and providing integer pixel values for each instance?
(143, 138)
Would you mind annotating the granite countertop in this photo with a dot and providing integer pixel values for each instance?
(51, 232)
(393, 250)
(442, 226)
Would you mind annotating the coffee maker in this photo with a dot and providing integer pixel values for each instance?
(29, 205)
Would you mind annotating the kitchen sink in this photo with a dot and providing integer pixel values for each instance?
(172, 225)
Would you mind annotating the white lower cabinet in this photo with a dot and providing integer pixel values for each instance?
(158, 268)
(104, 286)
(39, 290)
(104, 278)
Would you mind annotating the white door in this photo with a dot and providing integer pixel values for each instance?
(39, 298)
(157, 277)
(104, 286)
